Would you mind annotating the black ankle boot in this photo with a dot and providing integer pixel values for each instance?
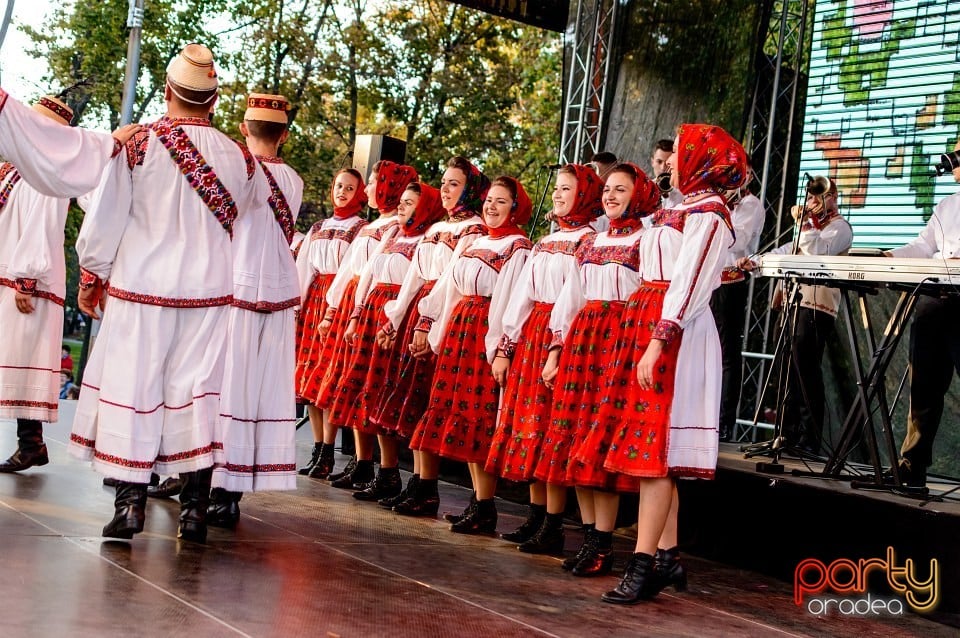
(669, 569)
(483, 519)
(404, 494)
(128, 513)
(358, 479)
(548, 539)
(589, 530)
(31, 450)
(325, 462)
(599, 559)
(640, 582)
(224, 508)
(347, 469)
(314, 457)
(529, 527)
(387, 484)
(194, 501)
(170, 487)
(467, 511)
(425, 500)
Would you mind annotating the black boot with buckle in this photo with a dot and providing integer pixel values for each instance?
(599, 560)
(529, 527)
(404, 494)
(314, 457)
(347, 469)
(387, 484)
(669, 569)
(194, 501)
(589, 530)
(482, 520)
(31, 450)
(128, 516)
(224, 508)
(425, 500)
(467, 511)
(358, 479)
(640, 582)
(548, 539)
(325, 463)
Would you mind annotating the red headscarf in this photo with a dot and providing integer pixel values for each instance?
(429, 211)
(644, 201)
(588, 204)
(392, 179)
(355, 205)
(519, 215)
(474, 192)
(709, 160)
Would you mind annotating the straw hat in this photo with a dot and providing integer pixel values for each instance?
(267, 108)
(55, 109)
(193, 69)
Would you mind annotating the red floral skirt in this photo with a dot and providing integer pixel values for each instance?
(462, 413)
(640, 419)
(366, 365)
(336, 351)
(587, 355)
(407, 390)
(525, 413)
(309, 344)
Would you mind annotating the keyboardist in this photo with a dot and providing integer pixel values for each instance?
(934, 340)
(823, 231)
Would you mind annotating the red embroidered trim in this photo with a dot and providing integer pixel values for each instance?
(279, 205)
(117, 147)
(8, 169)
(698, 271)
(270, 159)
(269, 104)
(40, 294)
(58, 109)
(79, 440)
(557, 247)
(377, 232)
(424, 324)
(718, 209)
(88, 279)
(3, 99)
(343, 234)
(388, 329)
(22, 403)
(330, 314)
(248, 160)
(260, 469)
(557, 341)
(122, 462)
(507, 346)
(25, 286)
(188, 454)
(667, 331)
(356, 313)
(170, 302)
(626, 255)
(188, 121)
(198, 173)
(265, 306)
(671, 217)
(494, 259)
(137, 148)
(405, 248)
(731, 276)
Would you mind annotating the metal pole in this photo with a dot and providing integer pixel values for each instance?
(135, 24)
(7, 16)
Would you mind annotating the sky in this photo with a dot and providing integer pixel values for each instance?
(20, 73)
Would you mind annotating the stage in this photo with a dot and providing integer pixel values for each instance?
(317, 562)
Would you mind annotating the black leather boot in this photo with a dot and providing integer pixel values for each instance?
(31, 450)
(194, 501)
(529, 527)
(387, 484)
(168, 488)
(224, 508)
(324, 464)
(404, 494)
(640, 582)
(482, 520)
(425, 500)
(467, 511)
(548, 539)
(599, 560)
(347, 469)
(669, 568)
(358, 479)
(589, 530)
(314, 457)
(128, 513)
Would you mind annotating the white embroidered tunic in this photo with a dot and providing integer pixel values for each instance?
(324, 248)
(369, 242)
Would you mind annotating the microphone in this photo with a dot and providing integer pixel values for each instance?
(551, 167)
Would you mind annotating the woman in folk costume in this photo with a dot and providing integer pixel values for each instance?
(667, 425)
(585, 323)
(465, 316)
(321, 253)
(33, 281)
(523, 351)
(255, 448)
(341, 382)
(370, 365)
(462, 191)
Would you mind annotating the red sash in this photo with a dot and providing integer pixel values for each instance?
(5, 170)
(279, 205)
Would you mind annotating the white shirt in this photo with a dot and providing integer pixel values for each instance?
(324, 248)
(747, 218)
(940, 238)
(369, 241)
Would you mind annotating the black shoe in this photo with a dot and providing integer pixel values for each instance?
(347, 469)
(314, 457)
(483, 519)
(669, 569)
(170, 487)
(529, 527)
(908, 476)
(548, 539)
(224, 508)
(358, 479)
(325, 462)
(467, 511)
(599, 562)
(404, 494)
(387, 485)
(725, 435)
(109, 481)
(586, 547)
(23, 459)
(128, 513)
(640, 582)
(194, 501)
(425, 500)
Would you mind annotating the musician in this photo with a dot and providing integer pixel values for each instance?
(934, 341)
(822, 232)
(659, 162)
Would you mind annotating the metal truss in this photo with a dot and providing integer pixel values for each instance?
(771, 137)
(589, 79)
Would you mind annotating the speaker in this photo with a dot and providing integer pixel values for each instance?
(370, 149)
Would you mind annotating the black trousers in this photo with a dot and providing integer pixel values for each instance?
(934, 355)
(729, 306)
(804, 403)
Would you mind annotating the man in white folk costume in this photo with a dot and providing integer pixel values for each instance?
(32, 289)
(255, 446)
(159, 229)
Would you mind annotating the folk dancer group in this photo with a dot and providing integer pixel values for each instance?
(588, 360)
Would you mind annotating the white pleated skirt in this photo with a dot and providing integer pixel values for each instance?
(29, 358)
